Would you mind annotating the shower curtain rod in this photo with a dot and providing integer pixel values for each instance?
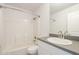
(15, 8)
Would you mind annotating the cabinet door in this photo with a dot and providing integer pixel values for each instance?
(46, 49)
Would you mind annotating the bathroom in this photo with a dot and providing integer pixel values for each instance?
(34, 28)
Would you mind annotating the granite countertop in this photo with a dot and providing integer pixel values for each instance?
(73, 48)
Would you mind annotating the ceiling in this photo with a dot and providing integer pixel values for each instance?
(26, 6)
(56, 7)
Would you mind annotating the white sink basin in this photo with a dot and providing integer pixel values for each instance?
(55, 40)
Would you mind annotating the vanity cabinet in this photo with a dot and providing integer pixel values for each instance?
(47, 49)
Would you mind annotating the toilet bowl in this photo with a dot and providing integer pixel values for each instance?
(32, 50)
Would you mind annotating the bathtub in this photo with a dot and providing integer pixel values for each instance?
(20, 51)
(16, 51)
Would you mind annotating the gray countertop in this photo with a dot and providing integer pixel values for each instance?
(73, 48)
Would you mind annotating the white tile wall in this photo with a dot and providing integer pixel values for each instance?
(1, 30)
(43, 22)
(18, 28)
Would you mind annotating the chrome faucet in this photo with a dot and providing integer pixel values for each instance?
(60, 34)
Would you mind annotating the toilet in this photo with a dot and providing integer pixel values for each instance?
(32, 50)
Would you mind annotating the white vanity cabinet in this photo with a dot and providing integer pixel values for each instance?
(47, 49)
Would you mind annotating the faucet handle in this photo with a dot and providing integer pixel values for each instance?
(66, 33)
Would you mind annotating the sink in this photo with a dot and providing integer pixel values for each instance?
(60, 41)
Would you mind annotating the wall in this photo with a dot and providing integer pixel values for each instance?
(18, 29)
(1, 29)
(61, 19)
(59, 24)
(43, 21)
(73, 23)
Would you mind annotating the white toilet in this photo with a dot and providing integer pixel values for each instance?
(32, 50)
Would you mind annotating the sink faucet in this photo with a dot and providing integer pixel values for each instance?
(66, 33)
(60, 34)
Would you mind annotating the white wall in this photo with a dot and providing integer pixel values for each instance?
(73, 23)
(59, 24)
(1, 29)
(18, 29)
(61, 19)
(43, 22)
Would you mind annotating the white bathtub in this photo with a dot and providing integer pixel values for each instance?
(17, 51)
(21, 50)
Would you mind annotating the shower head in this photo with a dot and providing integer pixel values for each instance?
(36, 17)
